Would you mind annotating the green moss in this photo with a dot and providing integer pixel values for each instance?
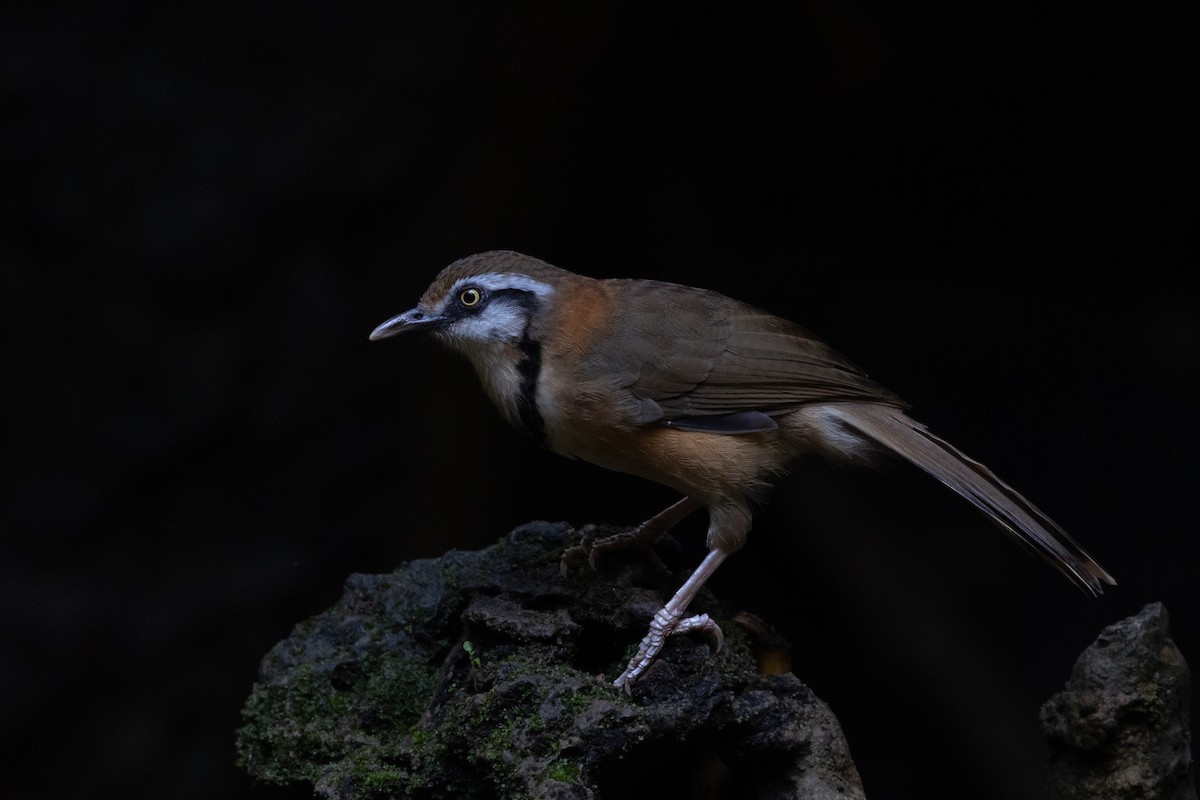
(293, 730)
(369, 776)
(399, 692)
(398, 707)
(564, 771)
(384, 780)
(1153, 704)
(738, 664)
(576, 702)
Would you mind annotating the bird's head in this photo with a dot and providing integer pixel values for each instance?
(479, 301)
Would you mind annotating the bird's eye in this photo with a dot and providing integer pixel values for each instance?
(470, 297)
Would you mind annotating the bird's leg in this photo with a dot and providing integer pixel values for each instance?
(669, 620)
(639, 538)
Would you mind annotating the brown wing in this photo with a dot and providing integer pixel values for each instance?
(685, 353)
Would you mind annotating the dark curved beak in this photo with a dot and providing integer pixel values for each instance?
(413, 320)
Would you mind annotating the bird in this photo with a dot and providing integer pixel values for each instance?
(691, 389)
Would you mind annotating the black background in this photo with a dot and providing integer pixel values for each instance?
(206, 208)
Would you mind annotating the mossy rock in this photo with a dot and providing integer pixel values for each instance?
(378, 698)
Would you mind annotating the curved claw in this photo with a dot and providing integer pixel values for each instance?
(664, 624)
(702, 622)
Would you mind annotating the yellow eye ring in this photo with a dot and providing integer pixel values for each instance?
(470, 297)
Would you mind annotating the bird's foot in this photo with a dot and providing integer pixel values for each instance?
(640, 539)
(666, 623)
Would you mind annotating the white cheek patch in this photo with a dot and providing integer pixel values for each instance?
(501, 320)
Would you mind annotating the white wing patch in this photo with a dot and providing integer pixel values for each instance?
(502, 320)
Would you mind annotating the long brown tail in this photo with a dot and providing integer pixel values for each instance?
(1021, 519)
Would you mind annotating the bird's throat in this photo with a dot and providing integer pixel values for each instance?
(510, 380)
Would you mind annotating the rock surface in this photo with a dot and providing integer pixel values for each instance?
(1120, 727)
(485, 675)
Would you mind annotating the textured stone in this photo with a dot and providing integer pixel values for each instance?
(1119, 730)
(378, 698)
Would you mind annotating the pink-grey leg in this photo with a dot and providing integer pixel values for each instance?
(669, 620)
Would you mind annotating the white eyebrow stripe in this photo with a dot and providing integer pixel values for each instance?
(496, 281)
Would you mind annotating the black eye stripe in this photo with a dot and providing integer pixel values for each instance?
(458, 308)
(523, 296)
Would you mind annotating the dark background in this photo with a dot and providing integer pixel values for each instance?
(207, 208)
